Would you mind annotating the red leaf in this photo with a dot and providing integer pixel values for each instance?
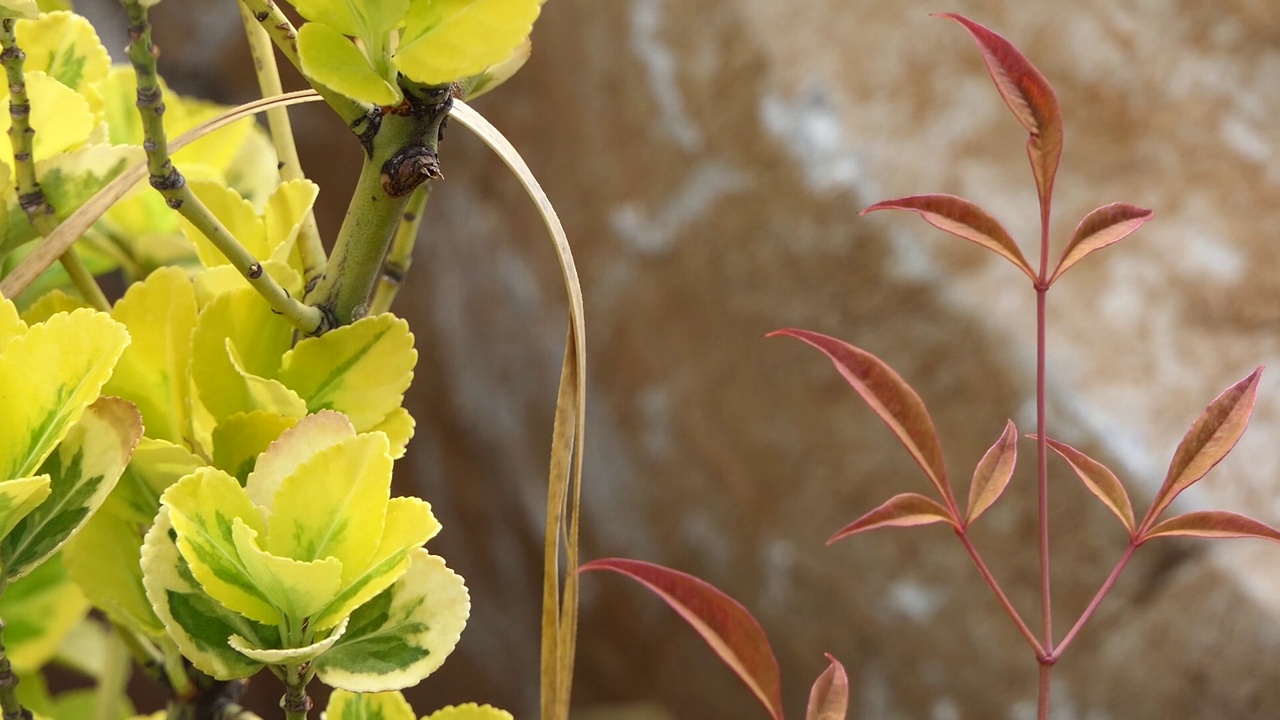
(829, 698)
(1210, 438)
(1213, 524)
(1100, 228)
(962, 219)
(993, 472)
(905, 510)
(889, 396)
(1101, 482)
(723, 623)
(1028, 95)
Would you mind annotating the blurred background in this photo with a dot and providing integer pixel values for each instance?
(709, 160)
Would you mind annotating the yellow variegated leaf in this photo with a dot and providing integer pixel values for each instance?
(212, 282)
(160, 313)
(447, 40)
(82, 471)
(39, 611)
(286, 656)
(328, 58)
(398, 427)
(361, 370)
(264, 393)
(402, 635)
(294, 447)
(334, 505)
(496, 75)
(66, 47)
(202, 507)
(61, 118)
(345, 705)
(104, 560)
(48, 305)
(298, 588)
(200, 626)
(49, 375)
(155, 465)
(286, 208)
(408, 525)
(364, 20)
(18, 498)
(11, 324)
(469, 711)
(241, 438)
(19, 8)
(260, 338)
(236, 213)
(254, 171)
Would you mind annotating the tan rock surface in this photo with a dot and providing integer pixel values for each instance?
(709, 160)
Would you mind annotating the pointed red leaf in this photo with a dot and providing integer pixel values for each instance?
(993, 472)
(1101, 482)
(1210, 438)
(905, 510)
(889, 396)
(962, 219)
(1100, 228)
(723, 623)
(1028, 95)
(829, 698)
(1213, 524)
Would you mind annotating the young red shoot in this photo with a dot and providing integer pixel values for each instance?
(1104, 226)
(1213, 524)
(890, 397)
(1099, 480)
(992, 475)
(962, 219)
(725, 625)
(829, 698)
(905, 510)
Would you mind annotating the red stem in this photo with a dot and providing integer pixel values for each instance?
(1042, 460)
(995, 588)
(1093, 604)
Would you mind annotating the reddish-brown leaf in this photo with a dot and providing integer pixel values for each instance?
(1100, 228)
(1028, 95)
(1213, 524)
(723, 623)
(829, 698)
(1101, 482)
(962, 219)
(905, 510)
(889, 396)
(993, 472)
(1210, 438)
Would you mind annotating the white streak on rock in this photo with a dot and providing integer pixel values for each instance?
(660, 65)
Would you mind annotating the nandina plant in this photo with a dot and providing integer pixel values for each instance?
(736, 637)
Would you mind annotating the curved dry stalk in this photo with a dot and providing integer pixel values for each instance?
(559, 611)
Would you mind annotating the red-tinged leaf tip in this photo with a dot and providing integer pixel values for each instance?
(1213, 524)
(993, 472)
(1099, 480)
(1030, 97)
(963, 219)
(829, 697)
(905, 510)
(889, 396)
(726, 626)
(1208, 441)
(1104, 226)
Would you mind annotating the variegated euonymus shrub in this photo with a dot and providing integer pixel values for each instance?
(207, 459)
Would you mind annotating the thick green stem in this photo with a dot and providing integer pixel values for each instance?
(356, 116)
(31, 198)
(402, 156)
(295, 703)
(166, 179)
(396, 267)
(9, 704)
(310, 249)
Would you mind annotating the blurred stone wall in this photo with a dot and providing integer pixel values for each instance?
(709, 160)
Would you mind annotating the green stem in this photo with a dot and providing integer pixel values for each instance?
(310, 249)
(282, 33)
(401, 156)
(31, 197)
(9, 704)
(166, 179)
(295, 703)
(400, 257)
(114, 678)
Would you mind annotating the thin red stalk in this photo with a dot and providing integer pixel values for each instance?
(1093, 604)
(1042, 462)
(995, 588)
